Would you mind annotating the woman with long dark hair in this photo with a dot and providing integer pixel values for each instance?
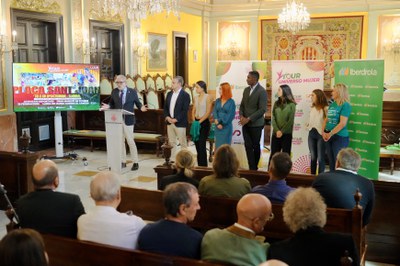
(201, 113)
(282, 121)
(316, 143)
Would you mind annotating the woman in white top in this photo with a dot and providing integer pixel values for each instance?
(201, 112)
(316, 143)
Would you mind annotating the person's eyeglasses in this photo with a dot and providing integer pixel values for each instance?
(119, 82)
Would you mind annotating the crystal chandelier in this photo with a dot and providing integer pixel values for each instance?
(136, 10)
(294, 17)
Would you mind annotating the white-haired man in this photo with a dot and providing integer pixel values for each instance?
(104, 224)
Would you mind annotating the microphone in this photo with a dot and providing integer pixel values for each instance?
(4, 192)
(108, 97)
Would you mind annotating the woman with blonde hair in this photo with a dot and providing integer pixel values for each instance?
(335, 132)
(225, 182)
(224, 113)
(184, 163)
(304, 212)
(316, 143)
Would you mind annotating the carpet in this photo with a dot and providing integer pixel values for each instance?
(144, 179)
(86, 173)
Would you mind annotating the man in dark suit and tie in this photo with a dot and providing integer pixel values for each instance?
(126, 98)
(252, 110)
(46, 210)
(175, 113)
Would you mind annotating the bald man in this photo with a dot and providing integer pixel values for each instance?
(239, 243)
(46, 210)
(104, 224)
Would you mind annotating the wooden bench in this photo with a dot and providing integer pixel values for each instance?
(221, 212)
(101, 135)
(72, 252)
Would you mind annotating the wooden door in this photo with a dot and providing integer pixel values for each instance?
(181, 55)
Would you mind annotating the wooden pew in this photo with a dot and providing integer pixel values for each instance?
(383, 233)
(72, 252)
(221, 212)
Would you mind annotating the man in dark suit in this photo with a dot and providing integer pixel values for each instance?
(252, 110)
(126, 98)
(338, 187)
(176, 114)
(46, 210)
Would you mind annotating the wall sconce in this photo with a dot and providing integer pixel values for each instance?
(5, 46)
(90, 47)
(140, 46)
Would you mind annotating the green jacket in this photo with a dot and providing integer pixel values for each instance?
(283, 118)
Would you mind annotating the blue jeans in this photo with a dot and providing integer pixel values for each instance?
(316, 144)
(333, 146)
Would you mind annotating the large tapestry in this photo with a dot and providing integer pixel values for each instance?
(327, 39)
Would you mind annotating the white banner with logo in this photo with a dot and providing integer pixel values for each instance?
(303, 77)
(235, 73)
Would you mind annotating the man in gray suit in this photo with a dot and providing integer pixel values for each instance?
(252, 110)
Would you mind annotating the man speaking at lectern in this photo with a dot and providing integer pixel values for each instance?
(125, 98)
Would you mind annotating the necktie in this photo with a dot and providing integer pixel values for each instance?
(121, 97)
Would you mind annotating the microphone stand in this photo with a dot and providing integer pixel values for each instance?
(14, 213)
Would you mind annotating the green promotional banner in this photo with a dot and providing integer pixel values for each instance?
(364, 79)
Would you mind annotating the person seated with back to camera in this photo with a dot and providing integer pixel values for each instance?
(224, 182)
(104, 224)
(238, 244)
(304, 212)
(23, 247)
(276, 189)
(184, 163)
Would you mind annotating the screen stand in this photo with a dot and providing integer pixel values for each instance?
(58, 135)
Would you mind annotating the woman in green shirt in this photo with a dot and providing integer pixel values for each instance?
(282, 121)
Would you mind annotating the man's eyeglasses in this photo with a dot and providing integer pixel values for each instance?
(271, 217)
(119, 82)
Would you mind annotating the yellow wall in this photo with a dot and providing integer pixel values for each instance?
(190, 24)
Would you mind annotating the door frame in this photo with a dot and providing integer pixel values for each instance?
(112, 26)
(44, 17)
(184, 35)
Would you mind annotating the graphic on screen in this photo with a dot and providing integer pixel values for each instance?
(56, 87)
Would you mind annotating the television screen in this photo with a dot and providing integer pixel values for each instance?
(56, 87)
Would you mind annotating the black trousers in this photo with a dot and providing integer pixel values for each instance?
(202, 143)
(251, 136)
(282, 144)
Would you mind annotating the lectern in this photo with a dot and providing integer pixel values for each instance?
(114, 119)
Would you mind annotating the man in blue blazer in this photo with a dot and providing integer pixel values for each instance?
(252, 110)
(126, 98)
(176, 114)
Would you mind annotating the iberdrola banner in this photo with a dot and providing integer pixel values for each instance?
(364, 78)
(302, 77)
(235, 73)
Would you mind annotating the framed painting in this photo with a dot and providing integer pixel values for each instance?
(157, 54)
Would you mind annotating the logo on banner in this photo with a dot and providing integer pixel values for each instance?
(346, 71)
(293, 78)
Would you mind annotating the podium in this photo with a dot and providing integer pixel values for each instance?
(114, 119)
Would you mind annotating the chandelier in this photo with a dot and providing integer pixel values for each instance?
(136, 10)
(294, 17)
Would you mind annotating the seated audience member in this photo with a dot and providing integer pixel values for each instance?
(225, 181)
(23, 247)
(46, 210)
(273, 263)
(184, 163)
(172, 235)
(239, 244)
(104, 224)
(338, 187)
(304, 212)
(276, 189)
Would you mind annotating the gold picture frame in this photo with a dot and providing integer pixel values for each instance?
(157, 54)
